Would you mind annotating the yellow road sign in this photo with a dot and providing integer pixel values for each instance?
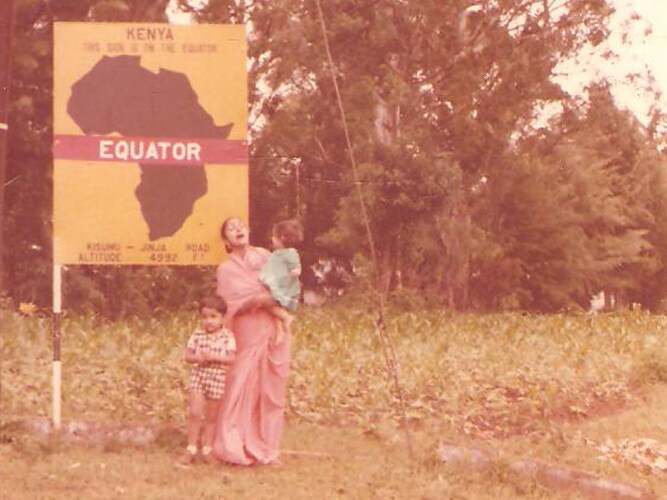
(149, 145)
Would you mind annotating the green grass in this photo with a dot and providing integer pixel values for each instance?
(356, 466)
(526, 385)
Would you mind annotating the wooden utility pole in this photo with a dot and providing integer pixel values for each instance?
(6, 24)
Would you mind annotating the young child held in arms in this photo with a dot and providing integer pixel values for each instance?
(281, 274)
(211, 349)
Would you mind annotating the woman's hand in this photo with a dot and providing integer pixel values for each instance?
(260, 299)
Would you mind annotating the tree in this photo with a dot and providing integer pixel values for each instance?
(434, 95)
(577, 210)
(469, 204)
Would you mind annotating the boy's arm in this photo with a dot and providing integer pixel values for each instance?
(221, 359)
(192, 352)
(194, 357)
(293, 263)
(228, 355)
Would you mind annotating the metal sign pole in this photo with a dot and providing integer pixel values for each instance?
(57, 314)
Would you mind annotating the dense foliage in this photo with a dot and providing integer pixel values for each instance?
(489, 375)
(473, 204)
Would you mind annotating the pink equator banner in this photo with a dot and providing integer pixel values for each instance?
(149, 150)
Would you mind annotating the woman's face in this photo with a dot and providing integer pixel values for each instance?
(236, 233)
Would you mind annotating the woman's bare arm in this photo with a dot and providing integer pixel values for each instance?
(261, 299)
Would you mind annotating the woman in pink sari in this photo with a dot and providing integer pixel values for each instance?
(250, 424)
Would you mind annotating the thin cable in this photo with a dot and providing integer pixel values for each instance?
(387, 345)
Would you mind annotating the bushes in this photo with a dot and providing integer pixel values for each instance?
(115, 292)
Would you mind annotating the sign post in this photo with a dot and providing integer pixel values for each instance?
(56, 371)
(149, 147)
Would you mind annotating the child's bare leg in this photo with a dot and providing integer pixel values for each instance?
(280, 334)
(284, 323)
(196, 405)
(212, 409)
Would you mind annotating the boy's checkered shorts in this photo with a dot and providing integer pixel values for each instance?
(208, 381)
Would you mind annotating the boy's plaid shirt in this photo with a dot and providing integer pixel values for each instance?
(219, 343)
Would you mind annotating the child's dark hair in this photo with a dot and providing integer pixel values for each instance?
(289, 231)
(214, 302)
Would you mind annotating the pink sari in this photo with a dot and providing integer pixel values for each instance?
(250, 424)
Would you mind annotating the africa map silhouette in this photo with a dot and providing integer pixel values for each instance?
(119, 95)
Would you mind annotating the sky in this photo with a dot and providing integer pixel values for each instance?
(640, 45)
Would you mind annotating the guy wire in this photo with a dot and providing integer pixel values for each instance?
(389, 351)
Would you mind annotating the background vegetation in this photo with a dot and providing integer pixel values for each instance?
(479, 203)
(582, 391)
(476, 202)
(493, 375)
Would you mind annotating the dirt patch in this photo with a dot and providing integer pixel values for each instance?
(99, 433)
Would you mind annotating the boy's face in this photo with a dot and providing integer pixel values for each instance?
(211, 319)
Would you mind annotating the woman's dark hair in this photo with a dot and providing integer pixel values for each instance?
(289, 231)
(213, 302)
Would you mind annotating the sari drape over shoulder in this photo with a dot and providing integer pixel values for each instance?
(251, 421)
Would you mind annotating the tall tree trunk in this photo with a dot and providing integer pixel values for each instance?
(454, 232)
